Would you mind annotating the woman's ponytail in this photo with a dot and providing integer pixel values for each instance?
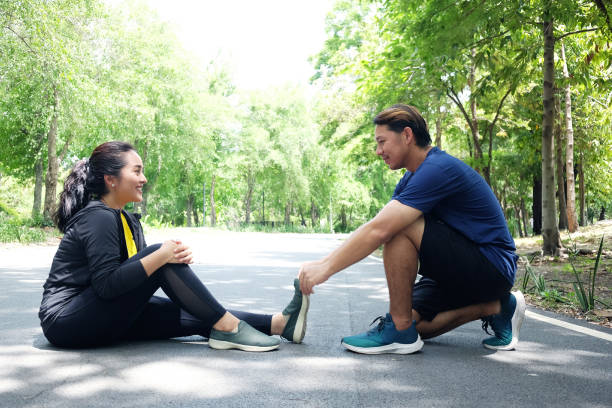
(86, 180)
(75, 195)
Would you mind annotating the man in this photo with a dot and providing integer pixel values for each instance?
(444, 216)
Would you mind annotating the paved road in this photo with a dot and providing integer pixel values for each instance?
(553, 366)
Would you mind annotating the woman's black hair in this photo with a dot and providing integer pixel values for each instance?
(86, 180)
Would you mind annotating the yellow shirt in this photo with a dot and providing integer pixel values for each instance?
(129, 238)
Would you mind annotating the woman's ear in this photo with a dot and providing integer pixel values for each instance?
(109, 181)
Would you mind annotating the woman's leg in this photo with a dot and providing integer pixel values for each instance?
(164, 319)
(90, 321)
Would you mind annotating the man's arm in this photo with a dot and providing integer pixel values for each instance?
(391, 220)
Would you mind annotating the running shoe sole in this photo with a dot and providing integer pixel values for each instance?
(300, 325)
(228, 345)
(393, 348)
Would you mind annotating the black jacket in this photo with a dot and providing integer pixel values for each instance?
(91, 254)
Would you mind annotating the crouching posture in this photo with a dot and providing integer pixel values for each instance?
(444, 217)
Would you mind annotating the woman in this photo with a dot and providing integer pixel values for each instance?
(103, 277)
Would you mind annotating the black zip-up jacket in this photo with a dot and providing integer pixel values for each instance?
(91, 254)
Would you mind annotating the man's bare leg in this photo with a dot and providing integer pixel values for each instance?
(451, 319)
(400, 256)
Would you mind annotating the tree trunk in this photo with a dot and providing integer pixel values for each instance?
(52, 164)
(517, 214)
(288, 206)
(581, 192)
(343, 224)
(331, 215)
(471, 118)
(213, 212)
(524, 217)
(572, 222)
(469, 143)
(474, 117)
(537, 205)
(189, 210)
(313, 213)
(196, 218)
(550, 231)
(249, 196)
(302, 218)
(38, 170)
(559, 165)
(142, 207)
(439, 128)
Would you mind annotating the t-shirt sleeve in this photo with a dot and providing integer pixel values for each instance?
(426, 187)
(109, 277)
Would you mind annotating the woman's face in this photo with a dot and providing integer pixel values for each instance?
(128, 186)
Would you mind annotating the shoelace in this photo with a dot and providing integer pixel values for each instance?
(485, 326)
(381, 323)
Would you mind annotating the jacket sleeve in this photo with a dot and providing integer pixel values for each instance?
(109, 276)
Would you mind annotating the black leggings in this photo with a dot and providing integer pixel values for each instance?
(89, 321)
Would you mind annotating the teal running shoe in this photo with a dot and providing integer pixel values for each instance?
(247, 338)
(385, 338)
(297, 309)
(507, 324)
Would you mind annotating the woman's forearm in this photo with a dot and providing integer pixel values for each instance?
(154, 261)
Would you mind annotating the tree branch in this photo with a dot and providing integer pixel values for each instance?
(22, 39)
(492, 125)
(603, 10)
(576, 32)
(598, 101)
(501, 103)
(455, 98)
(472, 45)
(62, 155)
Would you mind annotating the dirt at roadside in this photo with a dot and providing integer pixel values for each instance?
(559, 278)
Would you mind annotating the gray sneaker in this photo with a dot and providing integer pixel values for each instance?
(246, 338)
(297, 310)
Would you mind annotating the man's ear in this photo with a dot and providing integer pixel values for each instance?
(407, 134)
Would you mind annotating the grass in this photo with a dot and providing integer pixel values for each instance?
(22, 231)
(577, 283)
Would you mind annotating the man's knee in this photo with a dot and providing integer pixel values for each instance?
(411, 235)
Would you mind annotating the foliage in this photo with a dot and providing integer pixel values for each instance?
(8, 210)
(282, 155)
(586, 297)
(18, 230)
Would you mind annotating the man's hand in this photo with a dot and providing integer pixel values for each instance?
(311, 274)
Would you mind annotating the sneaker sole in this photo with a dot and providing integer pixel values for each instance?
(300, 324)
(517, 322)
(393, 348)
(227, 345)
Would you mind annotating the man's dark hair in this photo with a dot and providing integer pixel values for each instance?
(400, 116)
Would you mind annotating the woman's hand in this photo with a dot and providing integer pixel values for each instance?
(176, 252)
(311, 274)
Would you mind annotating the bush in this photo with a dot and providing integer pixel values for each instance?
(26, 231)
(8, 210)
(14, 230)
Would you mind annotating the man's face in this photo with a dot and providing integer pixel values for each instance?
(390, 146)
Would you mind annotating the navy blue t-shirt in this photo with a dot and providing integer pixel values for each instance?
(455, 193)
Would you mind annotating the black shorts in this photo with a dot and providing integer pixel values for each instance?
(455, 273)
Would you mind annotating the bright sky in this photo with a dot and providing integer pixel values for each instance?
(264, 43)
